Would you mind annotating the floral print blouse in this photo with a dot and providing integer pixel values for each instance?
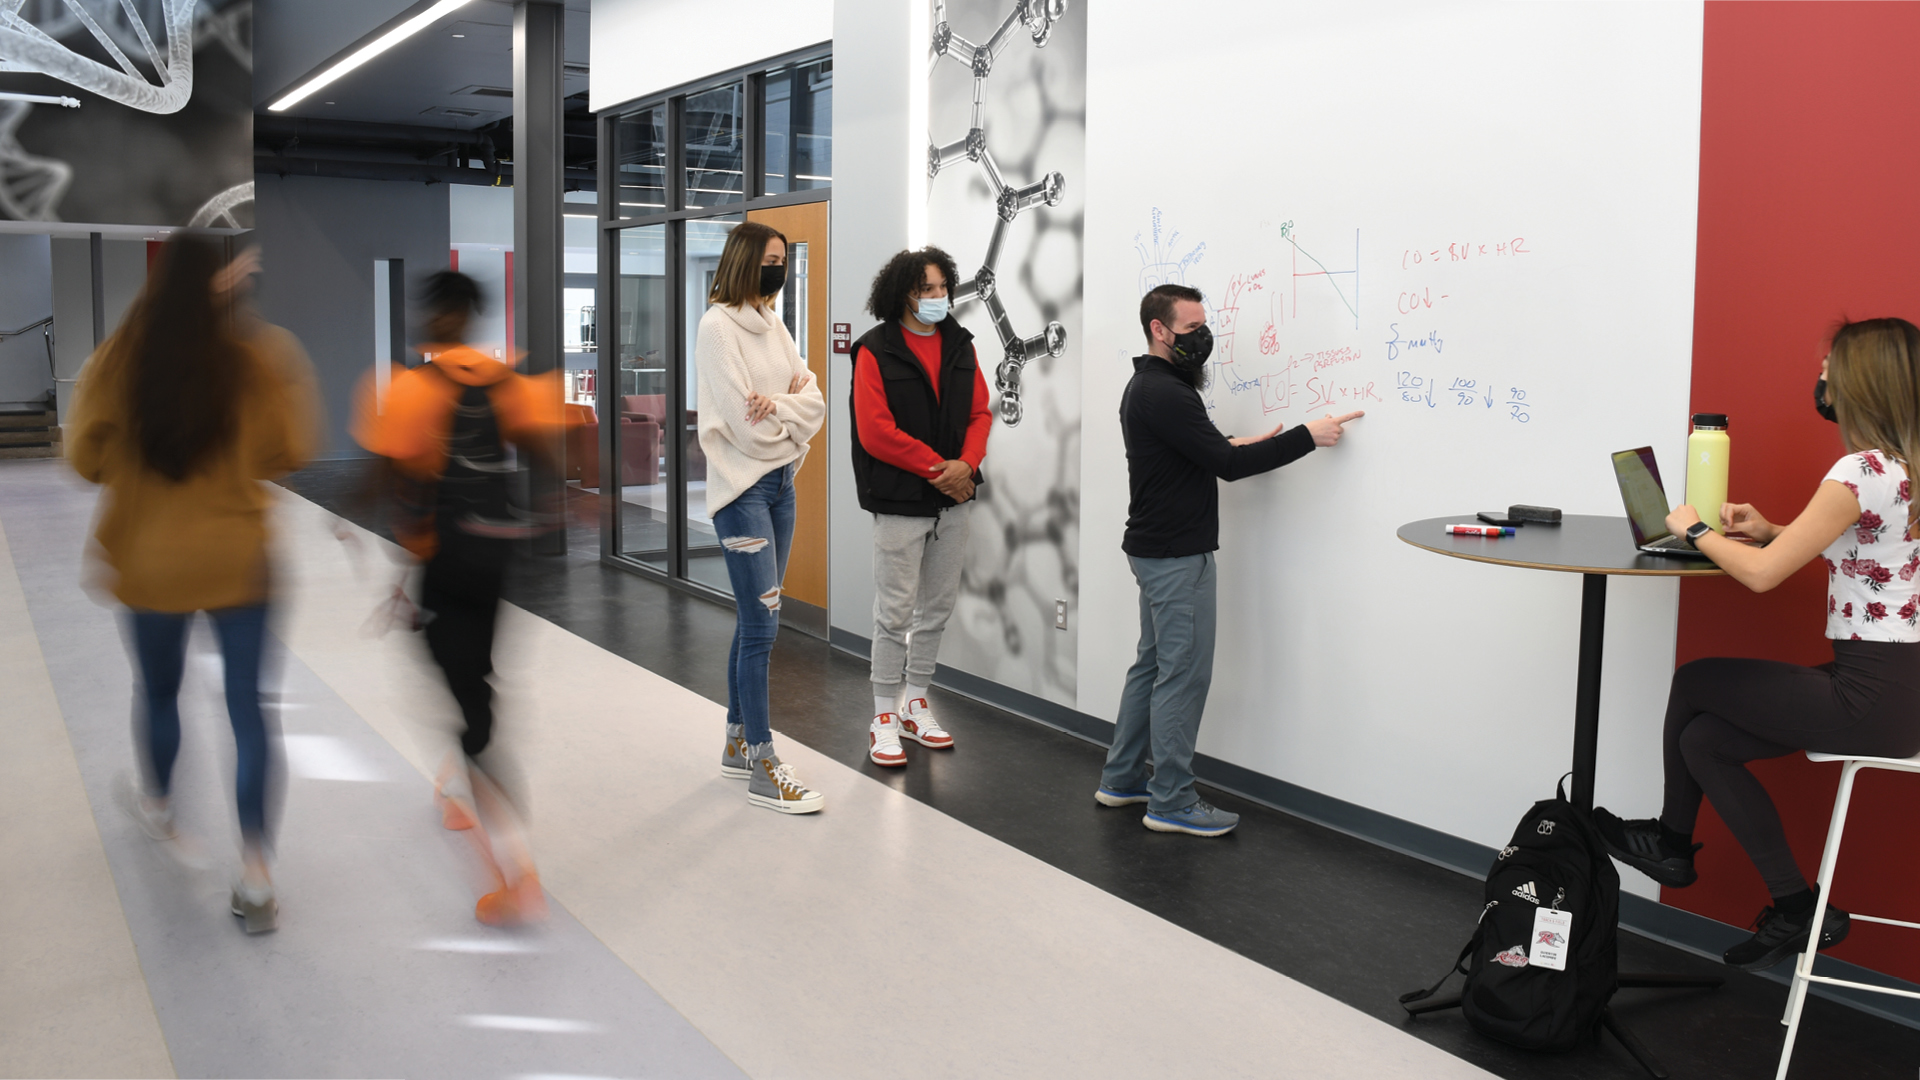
(1872, 589)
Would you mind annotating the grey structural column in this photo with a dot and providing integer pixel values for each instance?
(96, 256)
(539, 48)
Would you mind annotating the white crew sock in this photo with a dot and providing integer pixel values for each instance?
(884, 705)
(911, 692)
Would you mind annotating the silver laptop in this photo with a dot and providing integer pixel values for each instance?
(1647, 507)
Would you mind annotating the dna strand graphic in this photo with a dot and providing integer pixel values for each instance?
(32, 33)
(1037, 17)
(218, 211)
(33, 45)
(30, 187)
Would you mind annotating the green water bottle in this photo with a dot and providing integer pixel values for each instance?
(1707, 450)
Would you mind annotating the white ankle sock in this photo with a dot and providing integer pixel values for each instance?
(907, 695)
(884, 705)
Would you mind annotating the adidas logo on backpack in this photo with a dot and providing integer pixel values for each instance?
(1557, 866)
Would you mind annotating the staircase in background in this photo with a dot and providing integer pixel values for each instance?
(29, 431)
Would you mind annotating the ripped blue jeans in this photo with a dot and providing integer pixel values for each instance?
(756, 533)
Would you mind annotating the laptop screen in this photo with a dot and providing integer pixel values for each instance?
(1640, 489)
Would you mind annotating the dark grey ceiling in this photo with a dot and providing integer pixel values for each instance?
(428, 79)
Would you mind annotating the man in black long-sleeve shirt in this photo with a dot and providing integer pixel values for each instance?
(1174, 454)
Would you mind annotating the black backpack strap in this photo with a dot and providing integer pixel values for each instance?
(1560, 788)
(1479, 932)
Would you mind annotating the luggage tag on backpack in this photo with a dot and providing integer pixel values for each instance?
(1552, 936)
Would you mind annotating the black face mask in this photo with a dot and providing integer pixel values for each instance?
(772, 278)
(1191, 349)
(1821, 405)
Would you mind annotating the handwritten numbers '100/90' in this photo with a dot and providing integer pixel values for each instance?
(1463, 392)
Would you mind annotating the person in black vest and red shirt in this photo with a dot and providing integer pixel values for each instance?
(921, 418)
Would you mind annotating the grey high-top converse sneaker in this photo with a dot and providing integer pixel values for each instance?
(733, 759)
(773, 785)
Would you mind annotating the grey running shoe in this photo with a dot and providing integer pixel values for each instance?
(154, 816)
(1106, 796)
(260, 911)
(1778, 936)
(1200, 819)
(774, 786)
(733, 759)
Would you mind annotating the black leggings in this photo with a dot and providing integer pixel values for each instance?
(1723, 713)
(460, 601)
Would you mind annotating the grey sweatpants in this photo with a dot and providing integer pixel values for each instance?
(916, 578)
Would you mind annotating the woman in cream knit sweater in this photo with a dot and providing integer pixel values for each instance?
(759, 407)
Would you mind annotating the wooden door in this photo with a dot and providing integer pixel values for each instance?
(807, 224)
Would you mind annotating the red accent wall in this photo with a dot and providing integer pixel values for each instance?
(1809, 166)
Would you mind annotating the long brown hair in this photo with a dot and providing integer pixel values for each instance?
(737, 281)
(1873, 380)
(185, 366)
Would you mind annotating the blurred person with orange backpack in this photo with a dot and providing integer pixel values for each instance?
(442, 432)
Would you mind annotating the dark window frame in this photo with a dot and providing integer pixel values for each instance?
(751, 78)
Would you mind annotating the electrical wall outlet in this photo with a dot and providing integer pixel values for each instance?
(1059, 614)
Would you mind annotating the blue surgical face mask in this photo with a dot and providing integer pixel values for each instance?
(931, 310)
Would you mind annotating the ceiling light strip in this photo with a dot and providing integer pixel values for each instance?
(367, 52)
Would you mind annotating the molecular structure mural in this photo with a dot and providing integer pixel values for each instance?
(1038, 17)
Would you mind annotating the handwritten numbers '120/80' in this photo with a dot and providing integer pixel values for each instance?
(1463, 392)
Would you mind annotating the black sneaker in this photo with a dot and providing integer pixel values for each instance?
(1778, 936)
(1637, 843)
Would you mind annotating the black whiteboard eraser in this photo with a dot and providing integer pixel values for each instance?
(1545, 515)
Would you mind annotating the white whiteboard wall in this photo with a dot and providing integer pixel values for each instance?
(1495, 200)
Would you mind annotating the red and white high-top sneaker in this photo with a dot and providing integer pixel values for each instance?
(918, 724)
(883, 741)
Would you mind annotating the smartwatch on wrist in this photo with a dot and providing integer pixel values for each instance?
(1697, 530)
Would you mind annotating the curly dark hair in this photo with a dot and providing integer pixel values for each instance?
(893, 286)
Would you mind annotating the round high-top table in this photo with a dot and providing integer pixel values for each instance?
(1596, 548)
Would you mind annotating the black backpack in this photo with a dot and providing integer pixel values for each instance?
(1555, 861)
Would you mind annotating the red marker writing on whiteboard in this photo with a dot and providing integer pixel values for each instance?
(1480, 530)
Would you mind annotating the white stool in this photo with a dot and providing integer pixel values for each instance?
(1803, 968)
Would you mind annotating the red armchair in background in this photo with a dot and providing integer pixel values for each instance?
(639, 449)
(653, 407)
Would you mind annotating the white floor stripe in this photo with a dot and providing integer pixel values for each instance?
(539, 1025)
(73, 1001)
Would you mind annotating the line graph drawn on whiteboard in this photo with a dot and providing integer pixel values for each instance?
(1345, 283)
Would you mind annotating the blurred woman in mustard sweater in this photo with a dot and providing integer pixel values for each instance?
(180, 416)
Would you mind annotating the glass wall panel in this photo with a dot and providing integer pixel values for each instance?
(797, 108)
(641, 399)
(714, 121)
(640, 163)
(705, 238)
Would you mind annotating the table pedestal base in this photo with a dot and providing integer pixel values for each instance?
(1649, 980)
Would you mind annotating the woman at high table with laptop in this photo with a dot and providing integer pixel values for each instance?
(1864, 525)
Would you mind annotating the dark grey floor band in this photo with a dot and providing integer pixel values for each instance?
(1669, 925)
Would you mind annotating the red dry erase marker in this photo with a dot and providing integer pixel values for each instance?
(1480, 530)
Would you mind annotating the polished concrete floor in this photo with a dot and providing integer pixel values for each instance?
(974, 914)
